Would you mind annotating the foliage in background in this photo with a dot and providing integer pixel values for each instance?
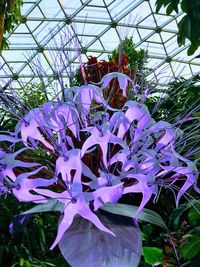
(10, 15)
(183, 238)
(178, 98)
(136, 57)
(188, 27)
(25, 240)
(31, 96)
(184, 92)
(125, 59)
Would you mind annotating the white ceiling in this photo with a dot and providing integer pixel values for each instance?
(47, 26)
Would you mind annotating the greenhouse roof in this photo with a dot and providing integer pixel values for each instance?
(100, 26)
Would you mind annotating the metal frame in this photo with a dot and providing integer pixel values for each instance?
(115, 18)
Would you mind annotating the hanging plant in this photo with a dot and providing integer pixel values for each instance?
(10, 15)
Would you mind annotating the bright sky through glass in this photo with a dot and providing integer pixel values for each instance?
(100, 24)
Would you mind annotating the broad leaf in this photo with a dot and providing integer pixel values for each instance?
(191, 249)
(191, 50)
(152, 255)
(131, 211)
(176, 216)
(52, 205)
(195, 261)
(194, 215)
(169, 9)
(86, 246)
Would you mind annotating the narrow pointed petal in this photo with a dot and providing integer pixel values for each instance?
(109, 194)
(62, 197)
(9, 138)
(86, 213)
(71, 161)
(106, 79)
(65, 223)
(123, 82)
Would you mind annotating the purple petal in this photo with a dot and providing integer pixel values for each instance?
(190, 180)
(107, 78)
(9, 138)
(71, 161)
(167, 137)
(86, 213)
(65, 223)
(32, 130)
(108, 194)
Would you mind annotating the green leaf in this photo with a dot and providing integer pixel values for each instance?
(176, 215)
(175, 5)
(170, 4)
(191, 249)
(28, 264)
(42, 239)
(184, 5)
(169, 9)
(184, 27)
(152, 255)
(160, 3)
(144, 236)
(52, 205)
(130, 211)
(197, 155)
(194, 215)
(21, 261)
(191, 50)
(197, 114)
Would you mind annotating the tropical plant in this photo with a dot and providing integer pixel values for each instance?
(135, 57)
(99, 153)
(188, 26)
(10, 15)
(30, 96)
(125, 59)
(94, 157)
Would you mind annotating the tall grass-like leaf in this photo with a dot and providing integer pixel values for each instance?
(131, 211)
(52, 205)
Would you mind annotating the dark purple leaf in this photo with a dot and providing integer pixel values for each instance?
(86, 246)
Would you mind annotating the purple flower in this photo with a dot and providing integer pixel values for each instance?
(70, 161)
(29, 128)
(8, 163)
(101, 136)
(123, 80)
(96, 153)
(23, 185)
(74, 204)
(144, 185)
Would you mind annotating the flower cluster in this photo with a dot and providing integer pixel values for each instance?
(95, 70)
(99, 153)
